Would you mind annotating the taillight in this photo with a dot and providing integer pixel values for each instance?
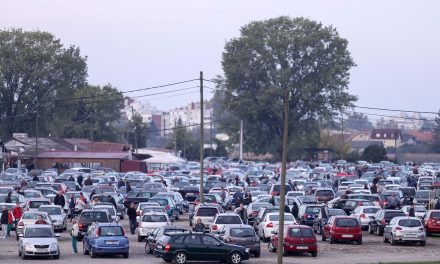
(305, 215)
(362, 216)
(138, 213)
(167, 207)
(383, 222)
(270, 224)
(214, 227)
(20, 223)
(167, 247)
(398, 228)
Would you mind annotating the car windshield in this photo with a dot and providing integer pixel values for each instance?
(332, 212)
(36, 204)
(346, 222)
(307, 199)
(153, 209)
(228, 219)
(100, 217)
(435, 215)
(301, 232)
(277, 188)
(370, 210)
(13, 197)
(392, 214)
(50, 210)
(324, 193)
(257, 207)
(207, 212)
(409, 223)
(287, 217)
(110, 210)
(154, 218)
(32, 194)
(420, 209)
(162, 202)
(33, 216)
(111, 231)
(242, 232)
(422, 194)
(38, 232)
(313, 210)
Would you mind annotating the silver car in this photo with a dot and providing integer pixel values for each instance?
(56, 213)
(405, 229)
(38, 240)
(29, 218)
(365, 214)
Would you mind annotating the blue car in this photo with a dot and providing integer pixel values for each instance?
(106, 239)
(168, 204)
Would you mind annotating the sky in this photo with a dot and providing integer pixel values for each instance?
(139, 44)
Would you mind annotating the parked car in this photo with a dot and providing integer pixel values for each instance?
(381, 219)
(181, 204)
(90, 216)
(365, 214)
(308, 213)
(106, 239)
(342, 228)
(324, 214)
(29, 218)
(151, 221)
(104, 198)
(422, 197)
(431, 221)
(404, 229)
(38, 240)
(242, 235)
(138, 197)
(157, 233)
(57, 215)
(276, 189)
(419, 210)
(110, 210)
(253, 209)
(32, 204)
(224, 219)
(261, 214)
(182, 248)
(323, 195)
(169, 205)
(270, 223)
(297, 238)
(206, 213)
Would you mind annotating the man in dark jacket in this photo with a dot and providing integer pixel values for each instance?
(412, 211)
(4, 222)
(80, 179)
(59, 200)
(88, 181)
(242, 212)
(131, 213)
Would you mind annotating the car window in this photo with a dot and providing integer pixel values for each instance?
(193, 240)
(100, 217)
(301, 232)
(38, 232)
(313, 210)
(162, 202)
(392, 214)
(50, 210)
(154, 218)
(179, 240)
(242, 232)
(207, 240)
(111, 231)
(36, 204)
(370, 210)
(287, 217)
(206, 212)
(435, 215)
(347, 222)
(228, 219)
(410, 223)
(33, 216)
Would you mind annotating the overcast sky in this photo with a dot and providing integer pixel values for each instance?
(136, 44)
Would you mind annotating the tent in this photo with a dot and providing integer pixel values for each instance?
(164, 159)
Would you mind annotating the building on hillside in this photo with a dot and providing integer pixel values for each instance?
(421, 137)
(389, 137)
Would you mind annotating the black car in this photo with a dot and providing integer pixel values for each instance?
(323, 216)
(157, 233)
(181, 248)
(349, 205)
(138, 197)
(89, 216)
(382, 219)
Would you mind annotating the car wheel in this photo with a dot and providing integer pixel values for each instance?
(359, 242)
(385, 239)
(423, 243)
(393, 241)
(180, 258)
(125, 255)
(235, 258)
(85, 251)
(331, 240)
(370, 230)
(314, 253)
(378, 231)
(270, 247)
(323, 237)
(92, 253)
(257, 254)
(57, 256)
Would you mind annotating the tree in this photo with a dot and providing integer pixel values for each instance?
(427, 126)
(35, 70)
(139, 129)
(436, 138)
(308, 59)
(374, 153)
(358, 121)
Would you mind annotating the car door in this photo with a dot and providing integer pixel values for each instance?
(377, 219)
(194, 248)
(87, 238)
(213, 248)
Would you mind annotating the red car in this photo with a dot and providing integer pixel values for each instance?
(432, 222)
(297, 238)
(342, 228)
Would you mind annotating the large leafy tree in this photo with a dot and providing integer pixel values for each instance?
(35, 69)
(358, 121)
(302, 56)
(374, 153)
(140, 130)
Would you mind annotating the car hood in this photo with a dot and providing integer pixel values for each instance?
(57, 217)
(40, 240)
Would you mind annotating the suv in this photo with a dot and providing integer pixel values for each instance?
(183, 247)
(206, 213)
(89, 216)
(383, 218)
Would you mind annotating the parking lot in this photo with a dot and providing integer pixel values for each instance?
(373, 250)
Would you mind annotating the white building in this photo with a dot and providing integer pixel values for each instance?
(190, 116)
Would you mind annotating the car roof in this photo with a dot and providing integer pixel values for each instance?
(406, 217)
(49, 205)
(108, 224)
(239, 226)
(38, 226)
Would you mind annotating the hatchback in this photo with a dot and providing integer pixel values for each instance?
(57, 215)
(157, 233)
(242, 235)
(381, 219)
(38, 241)
(106, 239)
(342, 228)
(225, 219)
(297, 238)
(431, 221)
(404, 229)
(151, 221)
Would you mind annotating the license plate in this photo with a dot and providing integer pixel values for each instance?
(302, 247)
(347, 236)
(111, 242)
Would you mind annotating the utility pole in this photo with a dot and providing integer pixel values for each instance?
(241, 140)
(210, 132)
(36, 138)
(202, 197)
(283, 178)
(184, 142)
(134, 130)
(342, 137)
(175, 137)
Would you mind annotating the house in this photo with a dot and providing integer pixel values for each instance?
(422, 137)
(360, 146)
(389, 137)
(408, 139)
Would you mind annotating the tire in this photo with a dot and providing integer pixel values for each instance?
(92, 254)
(323, 237)
(385, 239)
(57, 256)
(314, 254)
(235, 258)
(180, 258)
(265, 239)
(257, 254)
(378, 232)
(331, 240)
(359, 242)
(85, 251)
(370, 230)
(423, 243)
(125, 255)
(270, 247)
(393, 241)
(19, 253)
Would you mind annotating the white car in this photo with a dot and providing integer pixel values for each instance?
(110, 210)
(361, 191)
(224, 219)
(365, 214)
(57, 215)
(151, 221)
(295, 193)
(270, 223)
(404, 229)
(38, 240)
(32, 204)
(419, 210)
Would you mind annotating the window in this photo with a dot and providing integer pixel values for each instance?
(154, 218)
(207, 240)
(193, 240)
(228, 219)
(242, 232)
(301, 232)
(110, 231)
(410, 223)
(179, 240)
(347, 222)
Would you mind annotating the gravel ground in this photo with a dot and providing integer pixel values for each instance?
(373, 250)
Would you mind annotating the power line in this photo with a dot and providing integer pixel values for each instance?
(401, 117)
(395, 110)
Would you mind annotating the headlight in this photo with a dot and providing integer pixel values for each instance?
(53, 246)
(28, 247)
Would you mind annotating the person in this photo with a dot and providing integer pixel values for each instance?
(72, 207)
(112, 200)
(373, 189)
(81, 203)
(11, 220)
(237, 181)
(120, 183)
(71, 178)
(8, 198)
(199, 227)
(437, 204)
(17, 212)
(295, 210)
(92, 193)
(247, 197)
(242, 212)
(59, 199)
(222, 179)
(80, 179)
(4, 222)
(128, 187)
(131, 213)
(88, 181)
(164, 182)
(344, 195)
(40, 220)
(272, 200)
(35, 178)
(412, 211)
(393, 202)
(286, 209)
(248, 181)
(209, 170)
(74, 234)
(223, 195)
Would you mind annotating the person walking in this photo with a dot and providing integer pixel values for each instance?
(88, 181)
(247, 198)
(17, 212)
(128, 187)
(72, 207)
(74, 235)
(412, 211)
(8, 198)
(131, 213)
(80, 179)
(4, 222)
(10, 222)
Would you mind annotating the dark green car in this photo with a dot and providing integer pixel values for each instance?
(181, 248)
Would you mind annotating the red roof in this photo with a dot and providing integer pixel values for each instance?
(83, 155)
(422, 136)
